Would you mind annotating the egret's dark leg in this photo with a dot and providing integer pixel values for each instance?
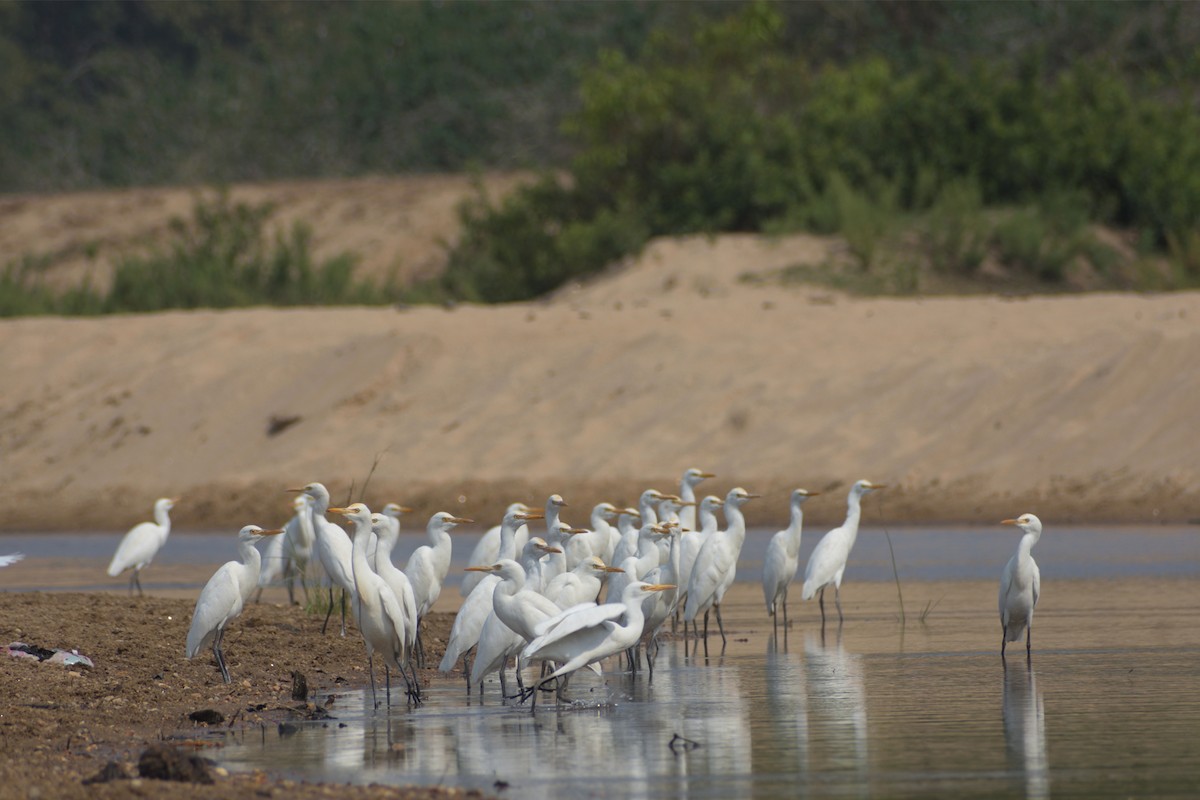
(328, 611)
(785, 621)
(1003, 640)
(221, 656)
(387, 685)
(343, 610)
(837, 599)
(821, 603)
(720, 624)
(136, 581)
(775, 622)
(1029, 641)
(371, 671)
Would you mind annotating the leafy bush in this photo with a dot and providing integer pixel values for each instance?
(720, 128)
(222, 257)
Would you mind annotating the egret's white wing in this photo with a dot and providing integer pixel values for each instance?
(220, 600)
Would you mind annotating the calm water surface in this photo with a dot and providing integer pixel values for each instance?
(1109, 708)
(818, 719)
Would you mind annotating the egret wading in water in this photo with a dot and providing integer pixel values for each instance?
(716, 565)
(586, 634)
(377, 610)
(427, 567)
(783, 560)
(1020, 585)
(225, 595)
(143, 541)
(828, 559)
(11, 558)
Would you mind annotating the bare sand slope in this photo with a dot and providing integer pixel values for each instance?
(1079, 408)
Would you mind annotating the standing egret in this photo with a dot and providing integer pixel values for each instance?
(487, 550)
(595, 541)
(783, 559)
(515, 611)
(139, 546)
(427, 567)
(377, 610)
(716, 565)
(273, 567)
(689, 546)
(224, 596)
(580, 585)
(586, 634)
(387, 532)
(827, 561)
(1020, 585)
(687, 493)
(468, 623)
(299, 539)
(334, 550)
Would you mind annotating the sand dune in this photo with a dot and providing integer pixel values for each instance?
(1074, 407)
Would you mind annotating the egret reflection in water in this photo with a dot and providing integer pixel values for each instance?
(837, 703)
(1025, 729)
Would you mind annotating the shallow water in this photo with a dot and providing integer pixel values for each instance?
(922, 553)
(1110, 708)
(882, 710)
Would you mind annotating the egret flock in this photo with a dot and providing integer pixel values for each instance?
(563, 601)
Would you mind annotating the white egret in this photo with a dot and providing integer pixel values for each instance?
(427, 567)
(299, 540)
(646, 515)
(11, 558)
(827, 561)
(515, 612)
(1020, 585)
(377, 610)
(139, 546)
(645, 559)
(487, 549)
(689, 546)
(334, 550)
(658, 607)
(554, 535)
(225, 595)
(273, 567)
(387, 532)
(594, 541)
(716, 564)
(468, 623)
(783, 559)
(586, 634)
(580, 585)
(687, 493)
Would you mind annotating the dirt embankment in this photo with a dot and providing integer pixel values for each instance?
(60, 726)
(975, 408)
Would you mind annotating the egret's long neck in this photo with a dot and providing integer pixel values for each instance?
(649, 515)
(736, 522)
(551, 522)
(1027, 543)
(508, 540)
(439, 537)
(708, 520)
(163, 518)
(853, 513)
(687, 514)
(358, 553)
(383, 550)
(250, 557)
(511, 581)
(794, 528)
(306, 524)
